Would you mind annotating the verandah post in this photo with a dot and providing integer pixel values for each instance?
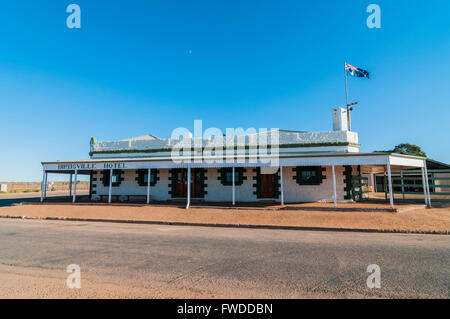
(422, 170)
(148, 186)
(282, 185)
(334, 186)
(75, 187)
(70, 185)
(43, 185)
(427, 184)
(233, 182)
(188, 199)
(403, 184)
(391, 195)
(110, 185)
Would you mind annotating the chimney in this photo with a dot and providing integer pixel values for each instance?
(340, 119)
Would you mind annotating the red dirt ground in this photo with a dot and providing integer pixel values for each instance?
(414, 218)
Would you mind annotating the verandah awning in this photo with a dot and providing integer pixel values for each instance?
(367, 159)
(370, 162)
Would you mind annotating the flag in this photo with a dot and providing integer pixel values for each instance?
(354, 71)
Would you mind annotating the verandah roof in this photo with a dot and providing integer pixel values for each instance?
(397, 161)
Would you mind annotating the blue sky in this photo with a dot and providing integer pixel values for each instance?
(140, 67)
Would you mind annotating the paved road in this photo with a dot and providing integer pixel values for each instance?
(122, 260)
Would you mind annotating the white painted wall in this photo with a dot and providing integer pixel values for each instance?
(340, 119)
(217, 192)
(294, 192)
(129, 186)
(332, 149)
(220, 193)
(284, 137)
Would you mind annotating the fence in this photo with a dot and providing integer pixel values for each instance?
(409, 185)
(360, 188)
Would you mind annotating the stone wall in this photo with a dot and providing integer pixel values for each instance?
(284, 137)
(217, 192)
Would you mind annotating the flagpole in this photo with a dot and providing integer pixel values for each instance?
(346, 98)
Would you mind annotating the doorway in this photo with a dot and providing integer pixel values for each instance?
(267, 182)
(179, 178)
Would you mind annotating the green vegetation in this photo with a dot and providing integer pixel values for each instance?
(408, 149)
(15, 191)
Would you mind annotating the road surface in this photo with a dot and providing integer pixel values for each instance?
(125, 260)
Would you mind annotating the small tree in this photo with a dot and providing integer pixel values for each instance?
(407, 148)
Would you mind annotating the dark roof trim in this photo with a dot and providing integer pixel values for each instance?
(432, 164)
(286, 155)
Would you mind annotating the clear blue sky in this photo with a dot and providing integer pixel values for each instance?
(139, 67)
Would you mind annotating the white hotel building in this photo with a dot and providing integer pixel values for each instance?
(300, 167)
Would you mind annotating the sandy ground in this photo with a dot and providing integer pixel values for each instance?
(32, 283)
(435, 219)
(36, 186)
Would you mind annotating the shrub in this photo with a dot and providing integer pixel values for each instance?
(31, 191)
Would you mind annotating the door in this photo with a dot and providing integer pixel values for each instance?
(180, 182)
(196, 190)
(267, 182)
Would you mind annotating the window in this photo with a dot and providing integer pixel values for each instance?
(142, 177)
(226, 176)
(309, 175)
(116, 177)
(152, 178)
(229, 176)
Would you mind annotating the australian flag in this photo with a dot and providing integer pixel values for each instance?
(354, 71)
